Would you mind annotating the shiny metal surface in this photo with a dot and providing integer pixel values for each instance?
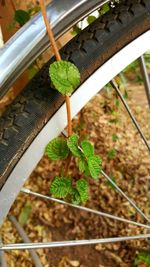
(57, 244)
(3, 262)
(104, 214)
(132, 203)
(115, 86)
(145, 77)
(25, 238)
(58, 122)
(111, 181)
(31, 40)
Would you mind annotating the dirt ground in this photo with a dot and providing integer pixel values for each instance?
(131, 169)
(49, 221)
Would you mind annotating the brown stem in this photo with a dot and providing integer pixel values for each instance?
(49, 31)
(69, 125)
(68, 161)
(58, 57)
(13, 5)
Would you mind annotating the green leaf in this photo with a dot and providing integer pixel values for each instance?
(142, 257)
(21, 16)
(57, 149)
(115, 120)
(76, 30)
(115, 137)
(104, 9)
(61, 187)
(91, 19)
(112, 153)
(125, 94)
(88, 148)
(65, 76)
(33, 10)
(75, 197)
(87, 172)
(117, 103)
(82, 165)
(82, 187)
(32, 70)
(25, 214)
(94, 164)
(72, 143)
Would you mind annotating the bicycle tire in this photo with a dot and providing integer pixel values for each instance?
(36, 105)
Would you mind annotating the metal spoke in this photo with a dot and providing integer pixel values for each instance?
(125, 196)
(2, 258)
(110, 180)
(115, 86)
(145, 78)
(25, 238)
(27, 191)
(39, 245)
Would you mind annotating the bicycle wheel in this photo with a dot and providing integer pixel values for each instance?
(100, 52)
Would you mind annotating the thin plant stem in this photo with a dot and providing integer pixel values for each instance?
(69, 125)
(58, 57)
(13, 5)
(68, 161)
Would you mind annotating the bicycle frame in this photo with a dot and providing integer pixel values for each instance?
(33, 37)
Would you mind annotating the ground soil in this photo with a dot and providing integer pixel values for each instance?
(131, 169)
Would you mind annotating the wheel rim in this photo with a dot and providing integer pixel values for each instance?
(27, 163)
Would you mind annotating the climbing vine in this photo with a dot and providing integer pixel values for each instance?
(65, 78)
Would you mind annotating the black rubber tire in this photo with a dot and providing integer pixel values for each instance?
(32, 109)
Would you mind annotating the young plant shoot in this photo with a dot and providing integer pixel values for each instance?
(65, 78)
(88, 163)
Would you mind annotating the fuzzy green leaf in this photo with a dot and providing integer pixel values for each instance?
(72, 143)
(115, 137)
(75, 197)
(94, 164)
(82, 187)
(25, 214)
(64, 76)
(76, 30)
(21, 16)
(33, 10)
(88, 148)
(91, 19)
(57, 149)
(61, 187)
(126, 96)
(142, 257)
(115, 120)
(83, 167)
(104, 9)
(112, 153)
(87, 171)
